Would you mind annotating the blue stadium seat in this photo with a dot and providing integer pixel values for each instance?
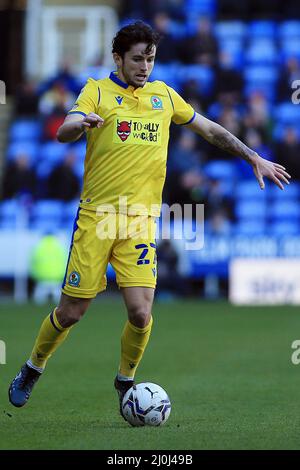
(230, 30)
(262, 29)
(8, 213)
(220, 169)
(203, 7)
(291, 192)
(261, 74)
(25, 129)
(25, 147)
(251, 210)
(290, 48)
(166, 73)
(250, 227)
(53, 151)
(262, 52)
(261, 78)
(250, 190)
(287, 113)
(266, 89)
(235, 48)
(289, 227)
(289, 29)
(280, 128)
(179, 30)
(284, 210)
(79, 148)
(47, 215)
(51, 154)
(202, 74)
(110, 273)
(69, 212)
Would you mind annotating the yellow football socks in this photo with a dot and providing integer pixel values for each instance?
(50, 336)
(133, 344)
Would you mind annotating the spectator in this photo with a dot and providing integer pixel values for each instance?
(19, 178)
(254, 140)
(290, 73)
(169, 279)
(229, 81)
(57, 98)
(184, 171)
(65, 77)
(202, 47)
(47, 268)
(219, 224)
(288, 151)
(185, 156)
(216, 199)
(52, 123)
(26, 99)
(63, 183)
(258, 116)
(167, 50)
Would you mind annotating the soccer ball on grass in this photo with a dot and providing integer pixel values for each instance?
(146, 404)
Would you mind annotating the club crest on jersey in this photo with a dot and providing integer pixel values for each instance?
(156, 102)
(123, 129)
(74, 279)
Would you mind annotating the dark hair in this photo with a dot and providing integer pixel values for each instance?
(132, 34)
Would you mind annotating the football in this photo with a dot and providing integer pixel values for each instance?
(146, 404)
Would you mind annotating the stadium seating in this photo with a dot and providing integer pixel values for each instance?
(289, 30)
(25, 130)
(30, 148)
(202, 74)
(221, 169)
(47, 215)
(248, 210)
(287, 113)
(261, 52)
(291, 193)
(231, 30)
(250, 227)
(69, 211)
(8, 214)
(250, 190)
(284, 210)
(262, 29)
(282, 228)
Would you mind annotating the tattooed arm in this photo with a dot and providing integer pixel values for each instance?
(220, 137)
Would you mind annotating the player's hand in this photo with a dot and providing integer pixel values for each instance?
(91, 121)
(271, 170)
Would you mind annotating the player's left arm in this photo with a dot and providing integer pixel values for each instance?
(219, 136)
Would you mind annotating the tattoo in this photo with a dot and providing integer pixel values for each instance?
(227, 141)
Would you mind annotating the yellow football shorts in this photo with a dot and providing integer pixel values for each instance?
(127, 242)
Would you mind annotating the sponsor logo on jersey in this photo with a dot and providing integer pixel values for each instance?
(138, 131)
(124, 129)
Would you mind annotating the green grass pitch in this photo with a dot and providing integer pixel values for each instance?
(228, 372)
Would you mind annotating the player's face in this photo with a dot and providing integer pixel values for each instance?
(136, 66)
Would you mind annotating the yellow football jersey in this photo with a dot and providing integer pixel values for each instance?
(125, 163)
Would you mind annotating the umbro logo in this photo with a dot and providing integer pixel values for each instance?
(119, 99)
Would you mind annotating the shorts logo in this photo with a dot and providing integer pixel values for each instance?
(74, 279)
(156, 102)
(124, 129)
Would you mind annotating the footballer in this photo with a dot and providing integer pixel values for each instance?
(126, 119)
